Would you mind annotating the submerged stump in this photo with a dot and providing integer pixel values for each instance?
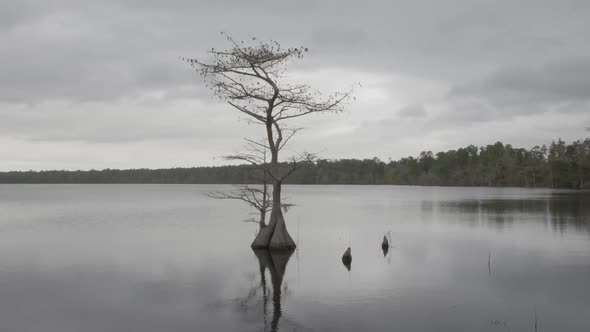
(385, 243)
(347, 259)
(385, 246)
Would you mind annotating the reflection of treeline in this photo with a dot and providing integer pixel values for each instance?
(559, 165)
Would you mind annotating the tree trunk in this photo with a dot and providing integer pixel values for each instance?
(265, 233)
(275, 234)
(580, 176)
(262, 218)
(262, 239)
(280, 238)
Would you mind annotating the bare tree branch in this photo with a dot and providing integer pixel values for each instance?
(298, 162)
(292, 133)
(248, 112)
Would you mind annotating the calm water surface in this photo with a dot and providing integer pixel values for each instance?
(166, 258)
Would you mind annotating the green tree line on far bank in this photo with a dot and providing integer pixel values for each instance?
(558, 165)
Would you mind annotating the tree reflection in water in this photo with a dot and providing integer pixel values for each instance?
(252, 305)
(276, 264)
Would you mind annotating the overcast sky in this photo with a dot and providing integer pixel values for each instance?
(99, 84)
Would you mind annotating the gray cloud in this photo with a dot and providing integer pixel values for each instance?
(115, 63)
(565, 80)
(87, 45)
(128, 123)
(416, 110)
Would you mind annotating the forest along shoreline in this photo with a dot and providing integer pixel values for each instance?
(558, 165)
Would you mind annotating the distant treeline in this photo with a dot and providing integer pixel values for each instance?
(559, 165)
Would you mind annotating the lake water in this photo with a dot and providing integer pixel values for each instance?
(167, 258)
